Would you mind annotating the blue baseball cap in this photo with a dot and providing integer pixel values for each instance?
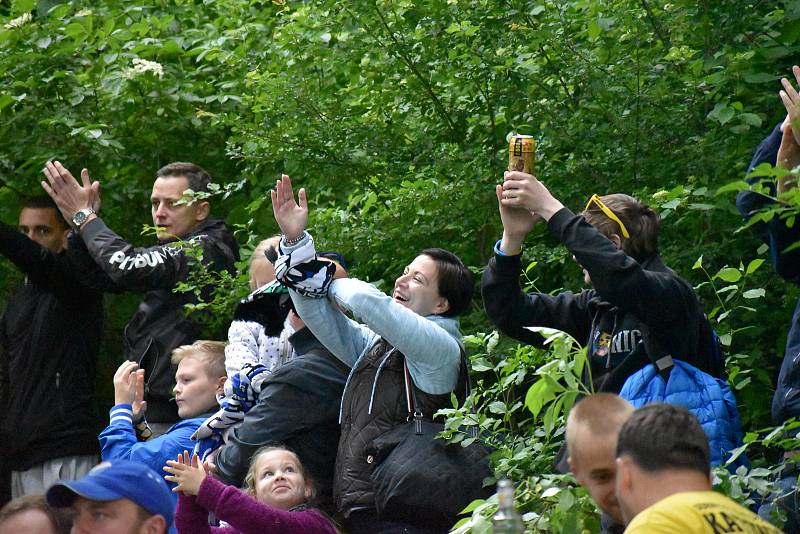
(117, 479)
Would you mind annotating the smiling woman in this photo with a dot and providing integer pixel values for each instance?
(415, 329)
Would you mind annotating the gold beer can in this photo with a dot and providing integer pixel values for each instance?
(521, 153)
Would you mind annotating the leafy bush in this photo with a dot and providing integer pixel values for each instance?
(394, 115)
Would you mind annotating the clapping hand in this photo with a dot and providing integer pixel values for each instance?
(67, 193)
(129, 388)
(789, 150)
(186, 472)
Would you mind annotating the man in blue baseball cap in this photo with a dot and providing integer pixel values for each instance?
(116, 497)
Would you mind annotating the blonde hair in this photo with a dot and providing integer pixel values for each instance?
(258, 253)
(250, 478)
(212, 353)
(602, 414)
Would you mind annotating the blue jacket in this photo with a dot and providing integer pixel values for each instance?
(709, 399)
(779, 236)
(118, 441)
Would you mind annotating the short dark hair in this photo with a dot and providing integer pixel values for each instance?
(454, 280)
(44, 202)
(197, 176)
(641, 221)
(60, 518)
(660, 436)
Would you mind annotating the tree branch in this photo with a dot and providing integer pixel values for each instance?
(413, 68)
(656, 25)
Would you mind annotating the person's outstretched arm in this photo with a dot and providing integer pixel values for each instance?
(54, 273)
(346, 339)
(134, 268)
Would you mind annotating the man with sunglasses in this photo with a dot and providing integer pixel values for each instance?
(636, 303)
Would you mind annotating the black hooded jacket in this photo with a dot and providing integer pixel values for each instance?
(298, 407)
(159, 324)
(628, 298)
(49, 342)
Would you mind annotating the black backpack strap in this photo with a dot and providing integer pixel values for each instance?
(656, 353)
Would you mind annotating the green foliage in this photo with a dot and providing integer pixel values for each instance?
(393, 115)
(526, 435)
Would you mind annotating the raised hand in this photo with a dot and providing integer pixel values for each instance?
(522, 190)
(129, 388)
(523, 200)
(139, 404)
(788, 157)
(186, 472)
(791, 101)
(291, 216)
(517, 223)
(69, 195)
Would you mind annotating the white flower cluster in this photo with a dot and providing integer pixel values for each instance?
(18, 22)
(141, 66)
(84, 13)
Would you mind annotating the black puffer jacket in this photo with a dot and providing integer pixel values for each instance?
(159, 325)
(49, 342)
(374, 403)
(298, 407)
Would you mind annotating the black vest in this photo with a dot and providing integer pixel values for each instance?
(360, 425)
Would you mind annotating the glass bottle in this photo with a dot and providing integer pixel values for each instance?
(507, 520)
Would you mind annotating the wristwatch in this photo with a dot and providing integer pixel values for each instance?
(80, 217)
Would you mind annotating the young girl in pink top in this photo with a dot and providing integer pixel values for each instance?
(275, 499)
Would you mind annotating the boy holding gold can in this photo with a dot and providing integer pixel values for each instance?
(635, 303)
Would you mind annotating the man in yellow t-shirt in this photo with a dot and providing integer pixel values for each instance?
(663, 478)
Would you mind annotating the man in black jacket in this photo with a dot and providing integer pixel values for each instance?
(49, 342)
(187, 237)
(299, 407)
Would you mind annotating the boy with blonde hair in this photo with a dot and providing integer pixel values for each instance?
(199, 379)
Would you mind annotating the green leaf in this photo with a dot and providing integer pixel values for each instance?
(5, 100)
(75, 30)
(729, 274)
(759, 77)
(23, 6)
(721, 113)
(754, 265)
(594, 29)
(754, 293)
(537, 396)
(750, 118)
(498, 407)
